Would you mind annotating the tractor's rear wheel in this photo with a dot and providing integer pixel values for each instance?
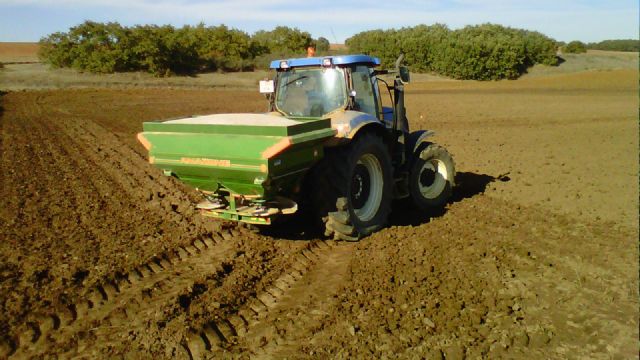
(353, 188)
(431, 178)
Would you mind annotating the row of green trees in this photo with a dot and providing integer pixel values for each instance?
(578, 47)
(482, 52)
(630, 45)
(163, 50)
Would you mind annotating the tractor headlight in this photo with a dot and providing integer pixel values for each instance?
(343, 130)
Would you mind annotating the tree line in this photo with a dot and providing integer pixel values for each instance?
(481, 52)
(629, 45)
(165, 50)
(579, 47)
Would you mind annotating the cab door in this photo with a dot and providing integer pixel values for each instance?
(366, 93)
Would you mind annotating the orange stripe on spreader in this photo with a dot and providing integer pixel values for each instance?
(205, 161)
(277, 148)
(143, 140)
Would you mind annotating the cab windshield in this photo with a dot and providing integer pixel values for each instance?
(311, 92)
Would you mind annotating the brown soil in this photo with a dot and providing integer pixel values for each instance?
(102, 256)
(18, 52)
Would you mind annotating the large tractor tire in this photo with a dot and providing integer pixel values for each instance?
(352, 188)
(431, 178)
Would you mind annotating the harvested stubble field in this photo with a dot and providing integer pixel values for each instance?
(535, 257)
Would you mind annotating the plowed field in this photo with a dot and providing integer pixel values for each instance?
(535, 256)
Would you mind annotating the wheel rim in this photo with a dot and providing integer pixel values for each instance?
(432, 178)
(366, 187)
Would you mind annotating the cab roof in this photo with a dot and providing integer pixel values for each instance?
(318, 61)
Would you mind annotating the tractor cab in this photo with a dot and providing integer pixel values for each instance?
(319, 87)
(343, 88)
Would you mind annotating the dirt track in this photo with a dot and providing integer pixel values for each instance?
(102, 256)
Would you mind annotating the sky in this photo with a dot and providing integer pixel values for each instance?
(336, 20)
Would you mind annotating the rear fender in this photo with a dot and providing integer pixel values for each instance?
(416, 139)
(349, 123)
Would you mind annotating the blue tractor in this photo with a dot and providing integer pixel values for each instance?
(373, 158)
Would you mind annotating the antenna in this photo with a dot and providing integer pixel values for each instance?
(335, 40)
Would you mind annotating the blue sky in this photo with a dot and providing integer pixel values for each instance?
(565, 20)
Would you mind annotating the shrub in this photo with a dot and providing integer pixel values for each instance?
(575, 47)
(165, 50)
(483, 52)
(380, 43)
(225, 49)
(55, 50)
(282, 39)
(322, 44)
(539, 48)
(423, 45)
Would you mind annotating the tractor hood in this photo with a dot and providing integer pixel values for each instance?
(253, 155)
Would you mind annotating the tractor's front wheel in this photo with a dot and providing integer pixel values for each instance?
(354, 188)
(431, 178)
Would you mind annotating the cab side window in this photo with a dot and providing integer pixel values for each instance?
(365, 100)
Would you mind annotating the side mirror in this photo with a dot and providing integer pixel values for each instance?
(404, 74)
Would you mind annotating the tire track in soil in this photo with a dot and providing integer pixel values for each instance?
(52, 188)
(96, 133)
(55, 159)
(117, 308)
(269, 324)
(91, 133)
(67, 146)
(141, 330)
(305, 308)
(125, 302)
